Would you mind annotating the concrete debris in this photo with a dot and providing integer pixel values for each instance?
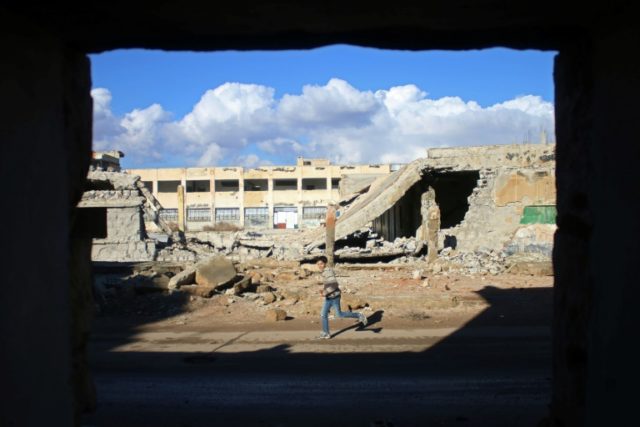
(186, 277)
(275, 315)
(242, 286)
(269, 298)
(215, 272)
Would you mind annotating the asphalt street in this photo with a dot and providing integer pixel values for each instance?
(496, 375)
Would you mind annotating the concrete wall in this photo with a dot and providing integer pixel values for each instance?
(46, 114)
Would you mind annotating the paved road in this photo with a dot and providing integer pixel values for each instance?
(473, 376)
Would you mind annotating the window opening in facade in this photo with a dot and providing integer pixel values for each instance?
(256, 185)
(198, 186)
(314, 212)
(169, 215)
(227, 185)
(199, 214)
(168, 186)
(314, 184)
(256, 217)
(227, 214)
(285, 184)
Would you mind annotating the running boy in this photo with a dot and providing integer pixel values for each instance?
(331, 293)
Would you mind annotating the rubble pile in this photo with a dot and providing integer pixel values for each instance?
(481, 261)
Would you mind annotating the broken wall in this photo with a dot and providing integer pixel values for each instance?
(481, 193)
(126, 236)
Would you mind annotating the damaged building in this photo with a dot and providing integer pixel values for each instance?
(122, 204)
(292, 197)
(490, 199)
(486, 198)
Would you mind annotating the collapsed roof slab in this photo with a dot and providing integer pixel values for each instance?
(382, 195)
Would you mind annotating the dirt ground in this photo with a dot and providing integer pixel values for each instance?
(406, 294)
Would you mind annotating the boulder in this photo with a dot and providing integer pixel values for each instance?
(264, 288)
(268, 298)
(186, 277)
(215, 271)
(275, 315)
(256, 278)
(242, 285)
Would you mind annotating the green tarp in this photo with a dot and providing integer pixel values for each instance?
(538, 215)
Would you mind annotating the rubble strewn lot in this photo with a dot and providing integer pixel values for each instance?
(408, 292)
(423, 240)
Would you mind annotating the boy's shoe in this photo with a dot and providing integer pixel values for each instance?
(323, 336)
(363, 319)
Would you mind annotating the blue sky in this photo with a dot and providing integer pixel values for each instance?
(347, 103)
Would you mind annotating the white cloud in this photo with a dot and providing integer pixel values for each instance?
(336, 121)
(280, 145)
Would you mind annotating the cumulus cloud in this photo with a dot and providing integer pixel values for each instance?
(335, 120)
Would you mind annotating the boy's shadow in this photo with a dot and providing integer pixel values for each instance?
(376, 317)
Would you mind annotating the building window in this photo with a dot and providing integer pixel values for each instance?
(285, 184)
(256, 216)
(256, 185)
(306, 162)
(314, 212)
(198, 186)
(169, 215)
(227, 185)
(335, 183)
(199, 214)
(227, 214)
(148, 185)
(314, 183)
(168, 186)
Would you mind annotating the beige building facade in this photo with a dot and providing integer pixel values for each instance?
(264, 197)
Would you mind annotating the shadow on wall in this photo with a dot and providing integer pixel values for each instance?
(495, 370)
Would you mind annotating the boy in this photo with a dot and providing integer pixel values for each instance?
(331, 293)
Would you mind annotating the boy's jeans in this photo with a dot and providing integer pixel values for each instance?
(324, 314)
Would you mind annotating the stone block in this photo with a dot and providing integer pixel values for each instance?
(268, 298)
(215, 271)
(186, 277)
(275, 315)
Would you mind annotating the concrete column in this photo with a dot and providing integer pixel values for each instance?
(430, 227)
(330, 224)
(212, 191)
(329, 196)
(181, 213)
(270, 199)
(241, 196)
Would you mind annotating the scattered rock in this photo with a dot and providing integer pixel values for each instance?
(186, 277)
(264, 288)
(275, 315)
(256, 278)
(287, 276)
(242, 285)
(268, 298)
(215, 271)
